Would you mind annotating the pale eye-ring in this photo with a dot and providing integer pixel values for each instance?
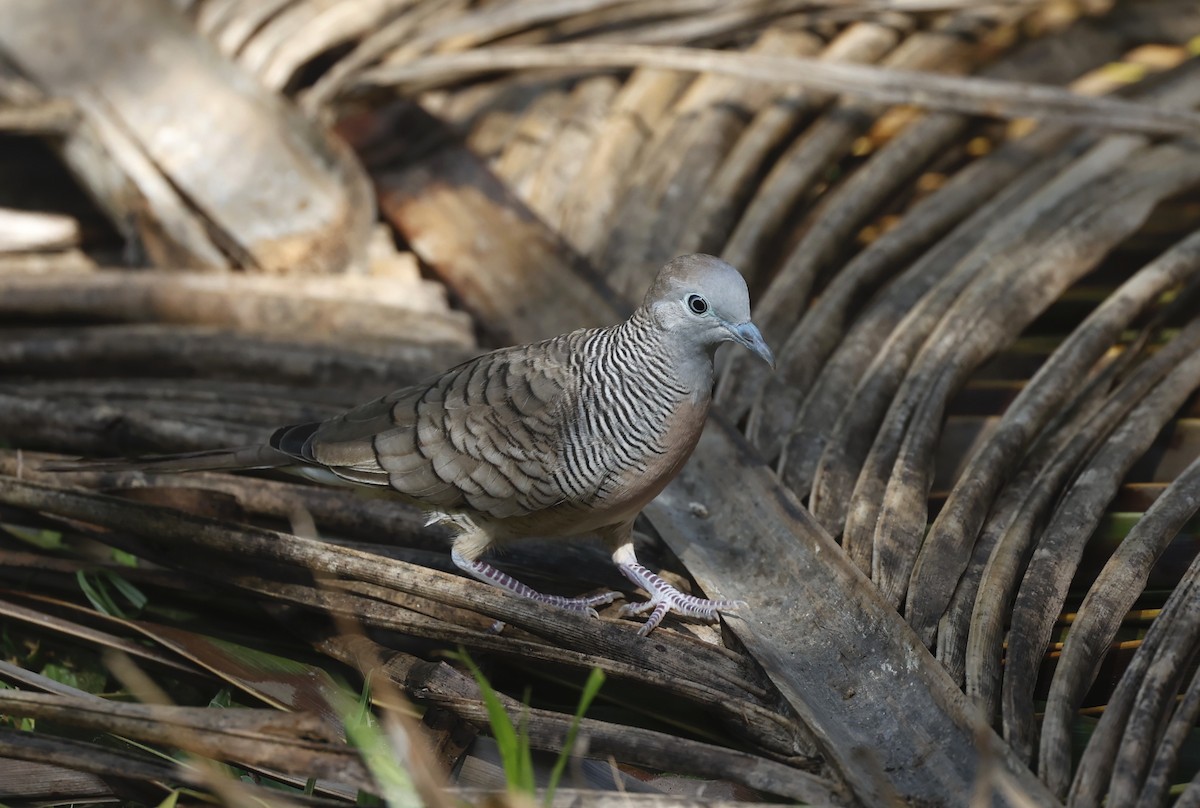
(697, 304)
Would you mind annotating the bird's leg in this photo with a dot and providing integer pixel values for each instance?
(663, 597)
(483, 571)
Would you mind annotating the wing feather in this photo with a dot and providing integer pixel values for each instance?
(484, 435)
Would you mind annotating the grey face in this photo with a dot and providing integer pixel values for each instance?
(706, 299)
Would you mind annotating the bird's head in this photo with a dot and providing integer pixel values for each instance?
(705, 300)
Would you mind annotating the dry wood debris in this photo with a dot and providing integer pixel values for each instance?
(970, 231)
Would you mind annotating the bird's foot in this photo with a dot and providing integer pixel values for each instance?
(587, 605)
(485, 572)
(666, 598)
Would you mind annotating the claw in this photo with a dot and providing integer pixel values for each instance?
(656, 616)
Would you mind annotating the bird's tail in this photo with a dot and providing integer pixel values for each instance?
(247, 457)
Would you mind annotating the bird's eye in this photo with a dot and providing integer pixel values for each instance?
(697, 304)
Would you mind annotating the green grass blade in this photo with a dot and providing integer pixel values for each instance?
(503, 731)
(170, 800)
(98, 595)
(526, 782)
(42, 539)
(381, 759)
(590, 688)
(131, 593)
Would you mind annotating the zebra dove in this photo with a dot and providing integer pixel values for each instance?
(568, 436)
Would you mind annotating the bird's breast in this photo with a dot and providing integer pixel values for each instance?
(681, 432)
(667, 439)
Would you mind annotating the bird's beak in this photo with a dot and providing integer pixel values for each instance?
(747, 334)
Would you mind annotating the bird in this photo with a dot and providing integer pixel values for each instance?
(569, 436)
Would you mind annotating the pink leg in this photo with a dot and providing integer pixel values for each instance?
(485, 572)
(664, 597)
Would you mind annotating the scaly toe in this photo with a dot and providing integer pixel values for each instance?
(581, 608)
(683, 605)
(603, 599)
(633, 609)
(701, 608)
(665, 598)
(660, 611)
(587, 605)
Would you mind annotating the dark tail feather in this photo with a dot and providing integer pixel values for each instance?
(249, 457)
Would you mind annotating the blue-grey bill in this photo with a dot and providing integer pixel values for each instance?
(747, 334)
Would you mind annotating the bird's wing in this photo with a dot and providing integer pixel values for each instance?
(484, 435)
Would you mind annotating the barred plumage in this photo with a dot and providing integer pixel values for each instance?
(571, 435)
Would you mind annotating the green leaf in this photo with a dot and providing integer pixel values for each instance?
(131, 593)
(362, 714)
(590, 688)
(96, 587)
(23, 724)
(124, 559)
(90, 681)
(525, 778)
(170, 800)
(507, 740)
(42, 539)
(277, 680)
(95, 590)
(385, 763)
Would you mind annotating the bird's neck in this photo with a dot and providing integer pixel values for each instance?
(685, 364)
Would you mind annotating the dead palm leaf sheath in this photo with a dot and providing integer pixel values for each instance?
(572, 435)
